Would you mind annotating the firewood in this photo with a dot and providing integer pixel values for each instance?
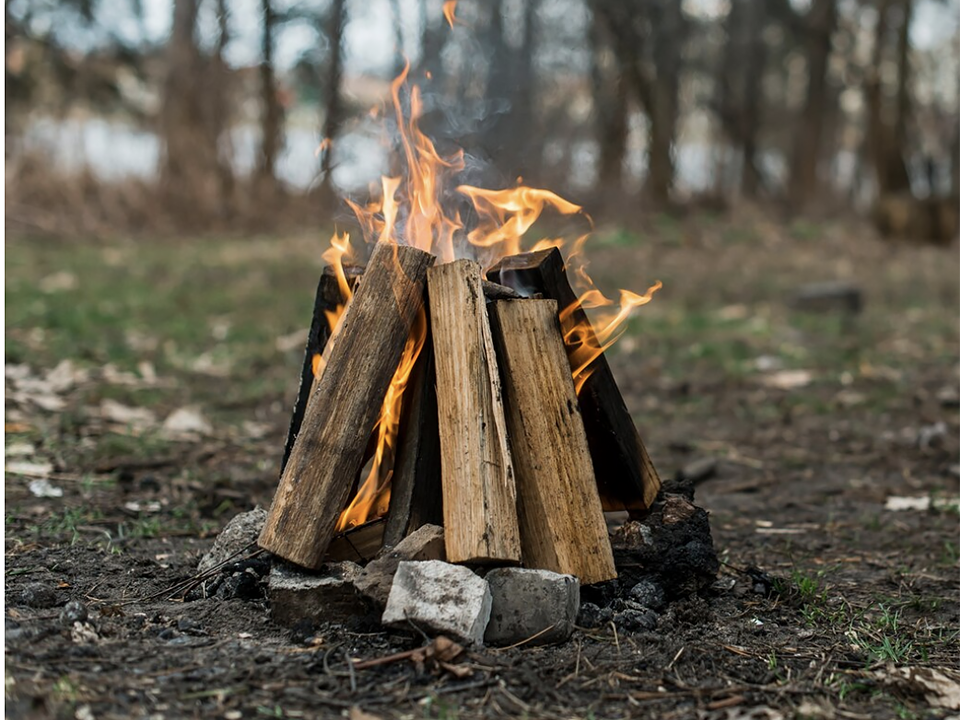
(562, 527)
(357, 544)
(327, 299)
(626, 477)
(416, 495)
(342, 411)
(479, 491)
(493, 291)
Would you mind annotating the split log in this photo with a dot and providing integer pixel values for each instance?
(626, 477)
(358, 544)
(327, 299)
(479, 491)
(341, 412)
(562, 527)
(416, 494)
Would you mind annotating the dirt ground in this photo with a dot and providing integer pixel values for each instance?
(169, 418)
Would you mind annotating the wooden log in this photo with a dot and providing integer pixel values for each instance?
(416, 494)
(328, 297)
(358, 544)
(562, 527)
(479, 491)
(343, 409)
(626, 477)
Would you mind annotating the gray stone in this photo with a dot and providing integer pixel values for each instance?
(375, 581)
(593, 616)
(73, 611)
(439, 598)
(297, 594)
(240, 532)
(527, 602)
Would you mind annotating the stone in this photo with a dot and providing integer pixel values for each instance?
(527, 602)
(240, 532)
(73, 611)
(648, 594)
(439, 598)
(327, 596)
(425, 543)
(593, 616)
(828, 297)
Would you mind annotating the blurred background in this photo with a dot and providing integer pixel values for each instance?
(152, 115)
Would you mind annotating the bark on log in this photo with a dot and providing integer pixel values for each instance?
(341, 413)
(479, 491)
(562, 527)
(626, 477)
(327, 299)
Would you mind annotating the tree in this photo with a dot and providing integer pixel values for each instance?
(817, 28)
(334, 109)
(271, 111)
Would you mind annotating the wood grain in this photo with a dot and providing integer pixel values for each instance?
(479, 492)
(342, 411)
(562, 527)
(626, 477)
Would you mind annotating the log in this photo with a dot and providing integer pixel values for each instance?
(341, 412)
(626, 477)
(416, 494)
(562, 527)
(358, 544)
(479, 491)
(328, 297)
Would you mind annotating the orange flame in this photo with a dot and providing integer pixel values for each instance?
(339, 249)
(448, 9)
(585, 341)
(373, 497)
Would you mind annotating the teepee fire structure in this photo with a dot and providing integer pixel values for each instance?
(456, 379)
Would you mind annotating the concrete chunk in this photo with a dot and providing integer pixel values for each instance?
(426, 543)
(439, 598)
(297, 594)
(240, 532)
(526, 602)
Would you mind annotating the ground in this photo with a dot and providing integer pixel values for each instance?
(815, 422)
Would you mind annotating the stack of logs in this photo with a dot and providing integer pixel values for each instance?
(494, 442)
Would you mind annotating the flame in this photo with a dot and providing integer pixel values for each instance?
(373, 497)
(339, 249)
(448, 9)
(586, 341)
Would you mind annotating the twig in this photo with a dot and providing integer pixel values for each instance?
(529, 639)
(676, 657)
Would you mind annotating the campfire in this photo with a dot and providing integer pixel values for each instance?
(455, 379)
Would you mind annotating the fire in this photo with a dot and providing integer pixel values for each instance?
(448, 9)
(586, 341)
(373, 497)
(413, 209)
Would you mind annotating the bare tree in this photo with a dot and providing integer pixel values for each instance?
(818, 26)
(334, 109)
(271, 111)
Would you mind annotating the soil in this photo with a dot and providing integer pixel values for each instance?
(822, 590)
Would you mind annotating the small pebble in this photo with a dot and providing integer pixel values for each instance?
(73, 611)
(189, 625)
(636, 619)
(167, 634)
(38, 595)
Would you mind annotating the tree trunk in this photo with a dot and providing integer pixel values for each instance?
(334, 101)
(190, 161)
(271, 117)
(610, 110)
(821, 21)
(668, 47)
(754, 61)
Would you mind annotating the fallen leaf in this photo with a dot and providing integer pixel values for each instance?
(135, 417)
(186, 421)
(29, 468)
(44, 401)
(923, 502)
(356, 713)
(43, 489)
(788, 379)
(17, 427)
(940, 687)
(65, 376)
(137, 506)
(20, 449)
(58, 282)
